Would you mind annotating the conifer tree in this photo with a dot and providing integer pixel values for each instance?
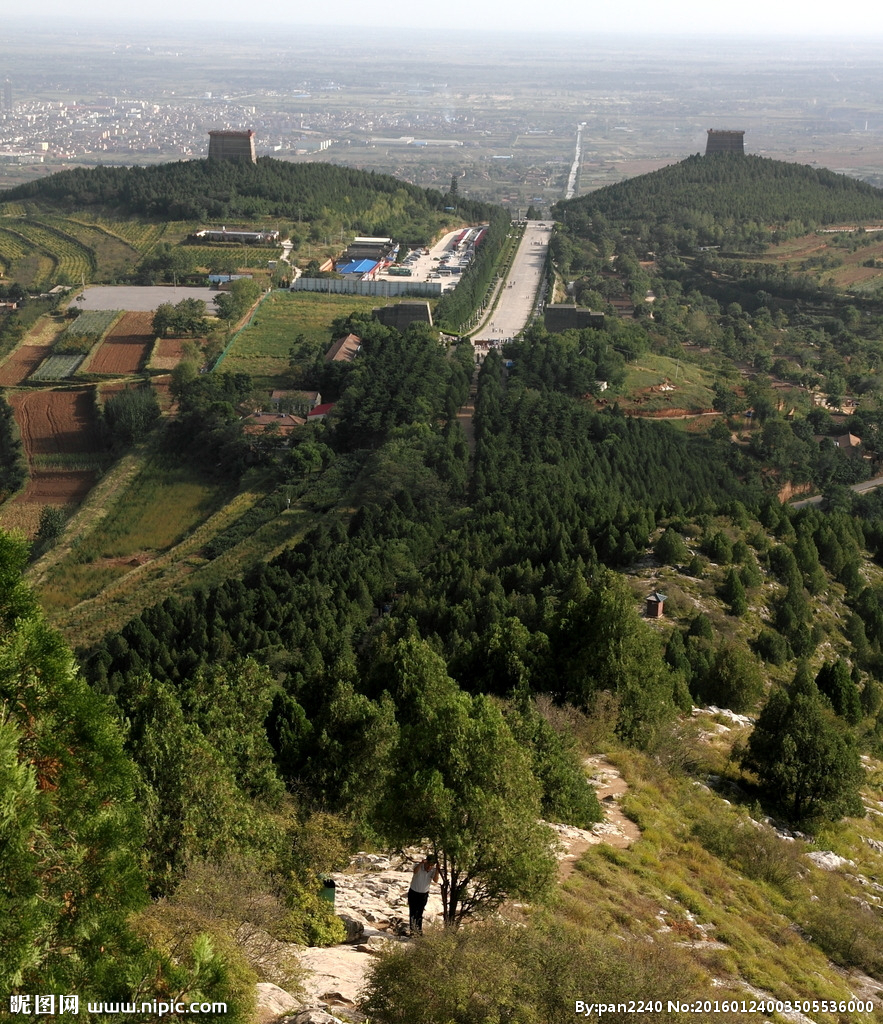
(801, 758)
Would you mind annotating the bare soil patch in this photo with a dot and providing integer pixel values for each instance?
(56, 422)
(22, 363)
(167, 354)
(126, 346)
(58, 487)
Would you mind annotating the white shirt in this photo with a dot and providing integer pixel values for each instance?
(423, 878)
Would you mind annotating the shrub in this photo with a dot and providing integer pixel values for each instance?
(495, 972)
(754, 850)
(773, 647)
(844, 928)
(670, 548)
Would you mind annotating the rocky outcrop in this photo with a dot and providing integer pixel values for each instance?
(371, 900)
(271, 1002)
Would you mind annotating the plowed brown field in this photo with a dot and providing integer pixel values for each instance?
(56, 422)
(22, 363)
(126, 346)
(58, 487)
(168, 354)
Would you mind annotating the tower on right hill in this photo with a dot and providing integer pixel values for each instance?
(725, 142)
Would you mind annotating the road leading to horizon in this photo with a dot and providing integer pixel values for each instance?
(518, 295)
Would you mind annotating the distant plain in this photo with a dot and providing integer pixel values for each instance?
(499, 112)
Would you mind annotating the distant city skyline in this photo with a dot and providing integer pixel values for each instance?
(752, 18)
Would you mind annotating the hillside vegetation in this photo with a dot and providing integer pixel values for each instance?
(725, 200)
(387, 632)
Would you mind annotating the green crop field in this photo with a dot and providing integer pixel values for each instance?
(154, 512)
(253, 257)
(42, 249)
(81, 334)
(12, 249)
(114, 256)
(138, 234)
(58, 367)
(262, 348)
(73, 260)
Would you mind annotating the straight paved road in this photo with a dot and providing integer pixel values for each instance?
(518, 294)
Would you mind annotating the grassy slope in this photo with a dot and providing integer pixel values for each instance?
(747, 929)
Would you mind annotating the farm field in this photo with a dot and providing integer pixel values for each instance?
(126, 346)
(37, 247)
(156, 509)
(56, 423)
(58, 367)
(90, 323)
(63, 449)
(252, 257)
(167, 353)
(22, 363)
(261, 349)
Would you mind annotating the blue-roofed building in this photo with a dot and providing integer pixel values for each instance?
(358, 267)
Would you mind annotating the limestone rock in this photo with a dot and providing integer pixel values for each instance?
(314, 1017)
(354, 924)
(272, 1002)
(337, 975)
(827, 860)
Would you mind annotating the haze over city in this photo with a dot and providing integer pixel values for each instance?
(791, 20)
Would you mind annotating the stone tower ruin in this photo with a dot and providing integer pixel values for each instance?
(230, 145)
(725, 142)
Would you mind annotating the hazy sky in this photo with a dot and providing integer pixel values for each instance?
(787, 18)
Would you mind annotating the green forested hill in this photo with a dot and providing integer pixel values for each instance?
(721, 199)
(203, 189)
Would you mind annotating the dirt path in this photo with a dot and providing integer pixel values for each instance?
(615, 830)
(464, 416)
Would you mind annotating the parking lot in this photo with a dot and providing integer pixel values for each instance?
(442, 264)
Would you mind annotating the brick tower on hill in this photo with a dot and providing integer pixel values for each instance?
(231, 146)
(725, 142)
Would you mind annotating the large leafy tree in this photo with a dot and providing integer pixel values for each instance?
(801, 757)
(463, 782)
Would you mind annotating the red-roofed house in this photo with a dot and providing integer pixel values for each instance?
(284, 423)
(320, 412)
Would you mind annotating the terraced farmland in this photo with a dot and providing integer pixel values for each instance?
(141, 236)
(40, 249)
(70, 257)
(12, 248)
(114, 256)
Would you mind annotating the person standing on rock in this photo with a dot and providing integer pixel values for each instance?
(424, 874)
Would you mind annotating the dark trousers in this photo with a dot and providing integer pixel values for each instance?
(416, 906)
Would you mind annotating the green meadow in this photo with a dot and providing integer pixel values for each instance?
(261, 349)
